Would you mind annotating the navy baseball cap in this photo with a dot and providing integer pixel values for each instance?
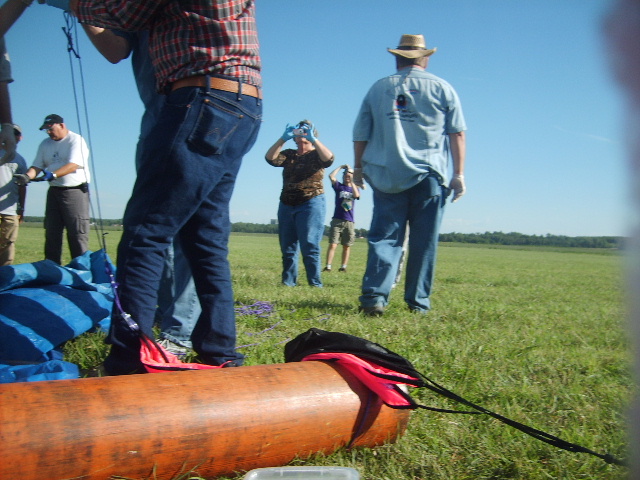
(50, 120)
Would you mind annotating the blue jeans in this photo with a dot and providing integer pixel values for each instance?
(422, 206)
(301, 228)
(178, 304)
(183, 188)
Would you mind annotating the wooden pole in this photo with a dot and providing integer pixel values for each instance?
(216, 422)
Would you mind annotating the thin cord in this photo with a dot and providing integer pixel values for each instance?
(70, 31)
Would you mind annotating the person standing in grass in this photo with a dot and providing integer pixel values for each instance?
(407, 127)
(63, 161)
(343, 222)
(178, 305)
(12, 198)
(302, 205)
(206, 61)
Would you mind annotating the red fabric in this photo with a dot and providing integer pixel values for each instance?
(157, 360)
(365, 371)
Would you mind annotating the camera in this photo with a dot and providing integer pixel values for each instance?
(301, 130)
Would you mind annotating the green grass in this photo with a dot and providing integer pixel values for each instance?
(535, 334)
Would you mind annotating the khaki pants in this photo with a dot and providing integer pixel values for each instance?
(9, 225)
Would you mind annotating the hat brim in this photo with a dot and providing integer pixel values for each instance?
(411, 53)
(45, 126)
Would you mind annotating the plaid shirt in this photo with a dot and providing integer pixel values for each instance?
(188, 37)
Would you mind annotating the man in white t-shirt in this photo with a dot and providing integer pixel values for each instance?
(63, 161)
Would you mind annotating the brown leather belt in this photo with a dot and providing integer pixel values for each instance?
(216, 83)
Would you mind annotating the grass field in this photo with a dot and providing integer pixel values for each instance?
(534, 334)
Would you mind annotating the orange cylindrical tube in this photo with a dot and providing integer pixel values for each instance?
(216, 422)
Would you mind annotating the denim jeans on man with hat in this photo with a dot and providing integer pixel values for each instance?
(183, 188)
(422, 207)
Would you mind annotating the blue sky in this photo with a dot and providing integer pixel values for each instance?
(546, 153)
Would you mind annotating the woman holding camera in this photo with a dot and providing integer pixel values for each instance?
(302, 204)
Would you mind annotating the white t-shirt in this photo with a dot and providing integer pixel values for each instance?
(8, 188)
(71, 149)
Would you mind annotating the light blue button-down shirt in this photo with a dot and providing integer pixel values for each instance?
(405, 119)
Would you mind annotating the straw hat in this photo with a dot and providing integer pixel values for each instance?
(412, 46)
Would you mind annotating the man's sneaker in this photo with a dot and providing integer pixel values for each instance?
(172, 347)
(342, 269)
(326, 269)
(375, 311)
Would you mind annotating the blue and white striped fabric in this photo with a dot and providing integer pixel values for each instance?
(43, 305)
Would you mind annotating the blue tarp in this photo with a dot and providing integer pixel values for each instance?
(43, 305)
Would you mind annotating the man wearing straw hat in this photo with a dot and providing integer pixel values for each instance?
(409, 125)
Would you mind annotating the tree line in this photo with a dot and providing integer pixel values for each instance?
(273, 228)
(487, 238)
(548, 240)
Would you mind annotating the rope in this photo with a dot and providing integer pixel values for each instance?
(533, 432)
(71, 31)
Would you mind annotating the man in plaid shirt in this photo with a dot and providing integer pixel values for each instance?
(207, 62)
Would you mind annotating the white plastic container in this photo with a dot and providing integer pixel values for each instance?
(303, 473)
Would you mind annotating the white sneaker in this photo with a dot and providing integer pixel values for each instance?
(172, 347)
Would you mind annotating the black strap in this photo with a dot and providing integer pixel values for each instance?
(320, 341)
(426, 382)
(534, 432)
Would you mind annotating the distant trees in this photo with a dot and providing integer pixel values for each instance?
(360, 232)
(514, 238)
(106, 222)
(254, 227)
(487, 238)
